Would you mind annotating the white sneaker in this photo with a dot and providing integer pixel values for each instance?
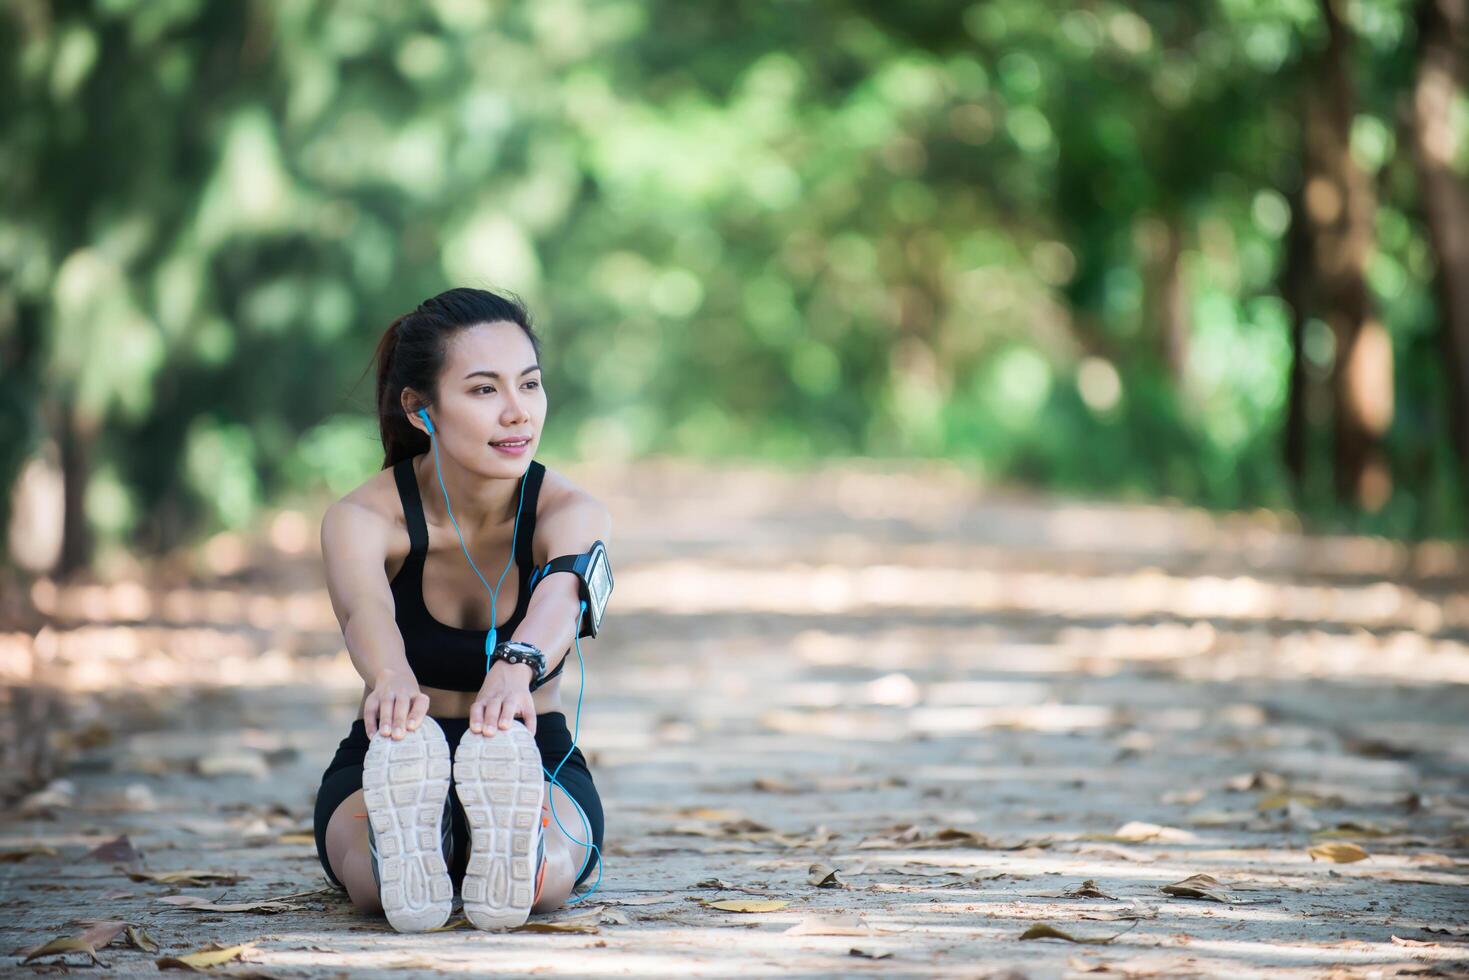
(405, 784)
(500, 784)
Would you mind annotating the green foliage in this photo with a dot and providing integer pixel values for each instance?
(777, 230)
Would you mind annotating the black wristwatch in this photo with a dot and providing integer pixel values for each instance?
(520, 652)
(595, 574)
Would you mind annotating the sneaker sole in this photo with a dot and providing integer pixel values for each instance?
(405, 784)
(499, 782)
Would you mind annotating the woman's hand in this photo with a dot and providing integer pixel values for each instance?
(504, 694)
(395, 706)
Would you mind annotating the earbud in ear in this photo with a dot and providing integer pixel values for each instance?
(423, 414)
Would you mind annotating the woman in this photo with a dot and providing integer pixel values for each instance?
(452, 754)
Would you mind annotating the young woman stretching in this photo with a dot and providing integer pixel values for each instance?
(443, 779)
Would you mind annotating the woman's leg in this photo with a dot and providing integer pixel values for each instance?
(351, 861)
(564, 853)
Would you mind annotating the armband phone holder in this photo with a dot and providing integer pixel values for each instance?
(594, 573)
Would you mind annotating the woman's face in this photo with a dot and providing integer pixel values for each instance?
(490, 392)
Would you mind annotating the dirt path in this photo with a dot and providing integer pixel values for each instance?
(965, 705)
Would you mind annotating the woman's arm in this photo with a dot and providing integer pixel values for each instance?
(552, 620)
(354, 547)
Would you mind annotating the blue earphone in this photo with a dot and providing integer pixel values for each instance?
(490, 648)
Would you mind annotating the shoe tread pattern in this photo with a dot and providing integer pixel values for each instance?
(405, 784)
(500, 783)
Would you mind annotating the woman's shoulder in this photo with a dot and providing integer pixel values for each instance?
(565, 513)
(373, 510)
(559, 494)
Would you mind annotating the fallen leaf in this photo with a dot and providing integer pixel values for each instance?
(1219, 818)
(1120, 853)
(140, 939)
(645, 899)
(1338, 852)
(765, 784)
(1400, 941)
(196, 904)
(749, 905)
(61, 946)
(98, 934)
(1275, 801)
(1044, 930)
(119, 850)
(1201, 886)
(1089, 889)
(1350, 829)
(199, 960)
(865, 954)
(1245, 782)
(1136, 910)
(20, 854)
(1137, 831)
(1182, 797)
(296, 839)
(823, 877)
(615, 917)
(59, 794)
(187, 879)
(830, 925)
(582, 928)
(251, 764)
(455, 923)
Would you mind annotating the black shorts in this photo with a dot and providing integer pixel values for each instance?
(343, 777)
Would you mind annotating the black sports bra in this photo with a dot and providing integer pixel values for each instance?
(443, 656)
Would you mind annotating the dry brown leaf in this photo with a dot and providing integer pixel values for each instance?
(1338, 852)
(20, 854)
(766, 784)
(708, 813)
(1275, 801)
(250, 764)
(646, 899)
(1269, 781)
(1201, 886)
(119, 850)
(61, 946)
(1137, 831)
(97, 935)
(187, 879)
(199, 960)
(749, 905)
(196, 904)
(1089, 889)
(867, 954)
(830, 925)
(1044, 930)
(581, 928)
(1400, 941)
(1136, 910)
(294, 838)
(139, 939)
(1349, 829)
(823, 877)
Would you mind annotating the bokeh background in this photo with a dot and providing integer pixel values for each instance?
(1211, 252)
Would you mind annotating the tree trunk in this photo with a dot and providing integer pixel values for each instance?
(1165, 295)
(1442, 28)
(1295, 283)
(1340, 208)
(76, 435)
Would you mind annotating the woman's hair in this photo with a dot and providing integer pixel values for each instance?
(411, 355)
